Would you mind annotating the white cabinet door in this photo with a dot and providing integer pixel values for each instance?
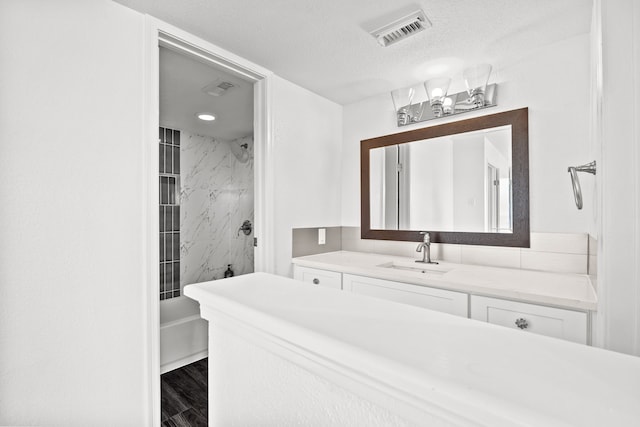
(419, 296)
(553, 322)
(329, 279)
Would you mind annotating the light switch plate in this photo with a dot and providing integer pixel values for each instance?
(322, 236)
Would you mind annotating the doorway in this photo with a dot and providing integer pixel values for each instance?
(205, 210)
(493, 198)
(163, 36)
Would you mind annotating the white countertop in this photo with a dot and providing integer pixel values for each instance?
(482, 373)
(573, 291)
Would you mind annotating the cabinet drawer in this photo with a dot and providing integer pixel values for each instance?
(553, 322)
(419, 296)
(329, 279)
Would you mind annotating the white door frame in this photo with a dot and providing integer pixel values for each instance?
(158, 33)
(616, 94)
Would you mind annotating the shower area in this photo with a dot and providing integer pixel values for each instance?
(206, 182)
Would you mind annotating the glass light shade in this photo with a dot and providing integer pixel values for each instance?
(476, 78)
(436, 92)
(418, 103)
(402, 99)
(437, 88)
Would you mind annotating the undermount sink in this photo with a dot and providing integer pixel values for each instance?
(416, 267)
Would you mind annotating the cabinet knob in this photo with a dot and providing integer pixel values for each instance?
(522, 323)
(316, 281)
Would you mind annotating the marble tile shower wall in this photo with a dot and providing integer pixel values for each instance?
(216, 196)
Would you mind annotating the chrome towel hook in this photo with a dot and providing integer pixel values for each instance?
(573, 170)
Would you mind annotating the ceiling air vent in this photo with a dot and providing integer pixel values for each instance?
(401, 28)
(218, 87)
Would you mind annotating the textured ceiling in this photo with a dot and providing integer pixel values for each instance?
(324, 45)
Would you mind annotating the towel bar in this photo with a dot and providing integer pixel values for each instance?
(575, 182)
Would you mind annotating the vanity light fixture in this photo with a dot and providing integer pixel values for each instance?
(410, 109)
(207, 117)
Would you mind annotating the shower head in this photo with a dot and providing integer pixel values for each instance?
(240, 151)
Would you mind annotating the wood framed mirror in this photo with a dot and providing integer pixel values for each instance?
(464, 182)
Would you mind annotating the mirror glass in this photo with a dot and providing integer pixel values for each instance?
(465, 182)
(459, 182)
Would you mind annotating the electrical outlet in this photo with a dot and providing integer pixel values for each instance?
(322, 236)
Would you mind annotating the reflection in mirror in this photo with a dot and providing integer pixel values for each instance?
(458, 182)
(465, 182)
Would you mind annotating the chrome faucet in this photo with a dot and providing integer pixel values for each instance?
(426, 245)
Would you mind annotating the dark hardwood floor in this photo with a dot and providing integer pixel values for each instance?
(184, 396)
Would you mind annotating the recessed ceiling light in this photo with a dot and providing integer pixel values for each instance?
(207, 117)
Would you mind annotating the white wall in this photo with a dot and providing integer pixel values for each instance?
(431, 185)
(554, 83)
(469, 183)
(307, 145)
(72, 306)
(71, 266)
(619, 234)
(71, 312)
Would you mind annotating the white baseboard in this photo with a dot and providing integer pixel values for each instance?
(168, 367)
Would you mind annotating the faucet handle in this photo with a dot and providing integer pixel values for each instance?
(427, 238)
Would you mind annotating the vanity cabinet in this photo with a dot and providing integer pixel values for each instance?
(550, 321)
(564, 323)
(328, 279)
(420, 296)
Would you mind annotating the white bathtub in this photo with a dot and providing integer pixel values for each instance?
(183, 333)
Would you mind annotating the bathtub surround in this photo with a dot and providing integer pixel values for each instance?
(213, 196)
(216, 197)
(169, 221)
